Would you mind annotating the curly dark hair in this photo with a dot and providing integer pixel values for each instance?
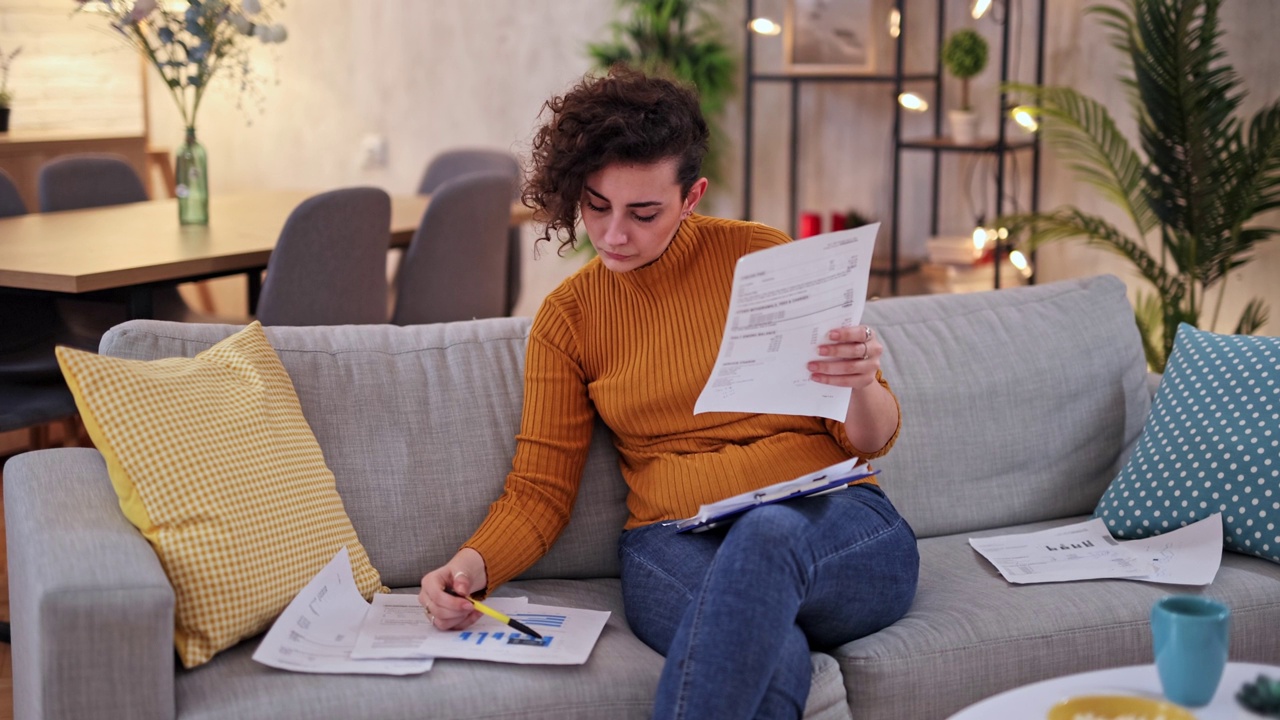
(625, 116)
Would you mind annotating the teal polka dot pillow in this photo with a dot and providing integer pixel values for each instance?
(1211, 444)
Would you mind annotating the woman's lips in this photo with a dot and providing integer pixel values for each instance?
(615, 256)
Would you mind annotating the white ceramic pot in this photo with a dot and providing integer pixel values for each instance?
(964, 126)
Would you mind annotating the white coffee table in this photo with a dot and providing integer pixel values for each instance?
(1033, 701)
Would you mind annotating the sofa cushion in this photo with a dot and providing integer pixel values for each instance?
(1017, 405)
(618, 681)
(970, 634)
(418, 425)
(213, 461)
(1212, 444)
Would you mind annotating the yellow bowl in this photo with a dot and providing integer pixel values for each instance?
(1112, 707)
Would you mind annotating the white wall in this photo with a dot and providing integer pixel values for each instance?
(433, 74)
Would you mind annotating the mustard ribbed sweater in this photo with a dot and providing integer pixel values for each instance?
(636, 348)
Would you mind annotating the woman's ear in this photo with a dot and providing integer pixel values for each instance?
(695, 194)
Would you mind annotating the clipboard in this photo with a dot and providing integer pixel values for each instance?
(829, 479)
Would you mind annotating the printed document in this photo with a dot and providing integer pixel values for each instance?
(568, 635)
(785, 300)
(318, 630)
(1085, 551)
(396, 627)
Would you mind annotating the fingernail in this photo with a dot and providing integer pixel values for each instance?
(834, 335)
(824, 350)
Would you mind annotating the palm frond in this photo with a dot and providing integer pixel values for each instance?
(1069, 222)
(1148, 312)
(1255, 315)
(1263, 148)
(1085, 130)
(1189, 97)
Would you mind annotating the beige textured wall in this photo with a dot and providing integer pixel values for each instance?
(432, 74)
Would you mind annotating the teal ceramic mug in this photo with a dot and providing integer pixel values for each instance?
(1190, 636)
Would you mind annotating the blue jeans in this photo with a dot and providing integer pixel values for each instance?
(736, 611)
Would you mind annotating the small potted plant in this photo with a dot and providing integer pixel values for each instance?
(965, 55)
(6, 97)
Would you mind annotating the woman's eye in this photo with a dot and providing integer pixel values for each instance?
(595, 208)
(646, 218)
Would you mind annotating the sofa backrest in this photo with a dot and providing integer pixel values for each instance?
(1017, 406)
(418, 425)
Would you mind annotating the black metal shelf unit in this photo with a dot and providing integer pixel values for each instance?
(1000, 146)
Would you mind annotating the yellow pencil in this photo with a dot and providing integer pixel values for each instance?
(516, 624)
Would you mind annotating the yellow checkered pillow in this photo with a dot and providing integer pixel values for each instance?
(213, 461)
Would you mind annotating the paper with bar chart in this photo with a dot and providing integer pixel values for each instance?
(396, 627)
(568, 635)
(785, 300)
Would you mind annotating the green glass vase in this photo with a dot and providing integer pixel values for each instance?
(192, 177)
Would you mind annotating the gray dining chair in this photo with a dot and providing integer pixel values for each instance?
(329, 265)
(11, 203)
(32, 391)
(85, 180)
(89, 180)
(453, 164)
(455, 267)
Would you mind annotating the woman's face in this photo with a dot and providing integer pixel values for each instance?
(633, 211)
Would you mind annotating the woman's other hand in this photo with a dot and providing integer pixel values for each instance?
(464, 574)
(850, 359)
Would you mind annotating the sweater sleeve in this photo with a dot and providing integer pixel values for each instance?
(555, 434)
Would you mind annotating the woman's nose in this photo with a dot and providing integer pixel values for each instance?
(614, 234)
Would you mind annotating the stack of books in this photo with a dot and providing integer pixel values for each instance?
(957, 265)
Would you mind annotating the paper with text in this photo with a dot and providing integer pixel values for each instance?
(785, 300)
(568, 635)
(318, 629)
(1190, 555)
(1086, 551)
(396, 626)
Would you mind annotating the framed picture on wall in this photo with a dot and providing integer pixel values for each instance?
(829, 36)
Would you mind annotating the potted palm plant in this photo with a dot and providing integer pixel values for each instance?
(1203, 176)
(965, 56)
(683, 40)
(6, 97)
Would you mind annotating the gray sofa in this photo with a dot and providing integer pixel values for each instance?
(1019, 407)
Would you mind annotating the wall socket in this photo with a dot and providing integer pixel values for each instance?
(373, 152)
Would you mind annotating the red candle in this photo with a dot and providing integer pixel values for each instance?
(810, 224)
(837, 221)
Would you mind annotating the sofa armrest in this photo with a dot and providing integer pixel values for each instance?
(90, 607)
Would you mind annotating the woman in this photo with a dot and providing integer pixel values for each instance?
(632, 337)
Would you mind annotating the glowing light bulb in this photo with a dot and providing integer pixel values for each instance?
(895, 23)
(1003, 233)
(979, 238)
(1024, 117)
(980, 8)
(1020, 261)
(765, 26)
(913, 102)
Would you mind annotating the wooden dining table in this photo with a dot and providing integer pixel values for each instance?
(134, 247)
